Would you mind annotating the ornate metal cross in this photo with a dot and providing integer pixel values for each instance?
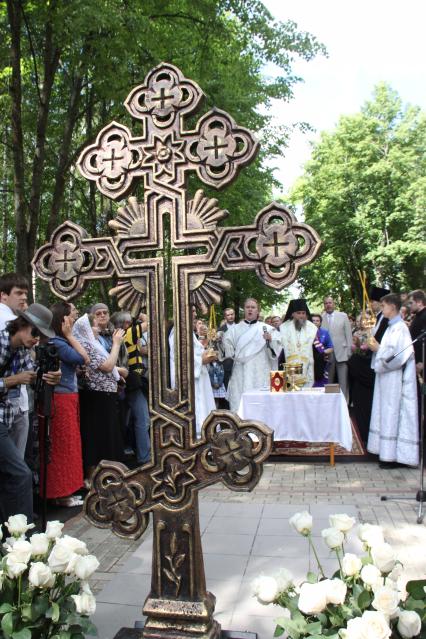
(229, 450)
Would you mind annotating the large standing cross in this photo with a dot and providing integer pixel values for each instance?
(229, 450)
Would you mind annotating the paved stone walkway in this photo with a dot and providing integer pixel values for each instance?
(259, 539)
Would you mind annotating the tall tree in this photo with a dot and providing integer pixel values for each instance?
(68, 66)
(364, 191)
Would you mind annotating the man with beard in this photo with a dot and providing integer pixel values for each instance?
(297, 337)
(251, 345)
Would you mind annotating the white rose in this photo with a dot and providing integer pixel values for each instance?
(409, 624)
(62, 559)
(312, 598)
(302, 522)
(342, 522)
(374, 626)
(39, 544)
(266, 589)
(14, 568)
(351, 564)
(284, 579)
(383, 557)
(386, 600)
(41, 576)
(353, 629)
(18, 525)
(396, 572)
(371, 576)
(77, 546)
(370, 535)
(85, 603)
(335, 590)
(333, 537)
(54, 529)
(21, 551)
(85, 566)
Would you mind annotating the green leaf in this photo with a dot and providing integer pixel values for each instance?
(364, 600)
(40, 606)
(65, 634)
(279, 630)
(7, 623)
(415, 588)
(414, 604)
(91, 629)
(6, 608)
(24, 633)
(311, 578)
(314, 628)
(53, 612)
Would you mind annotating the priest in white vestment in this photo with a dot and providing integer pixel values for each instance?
(204, 398)
(254, 349)
(394, 429)
(297, 339)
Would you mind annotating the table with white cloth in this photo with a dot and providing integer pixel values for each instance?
(305, 416)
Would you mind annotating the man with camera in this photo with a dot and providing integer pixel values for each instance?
(17, 370)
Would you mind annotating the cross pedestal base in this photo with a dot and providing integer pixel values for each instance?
(137, 633)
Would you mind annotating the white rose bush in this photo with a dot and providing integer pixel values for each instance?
(44, 590)
(363, 599)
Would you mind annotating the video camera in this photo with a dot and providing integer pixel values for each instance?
(47, 360)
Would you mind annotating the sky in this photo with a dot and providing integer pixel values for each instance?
(368, 41)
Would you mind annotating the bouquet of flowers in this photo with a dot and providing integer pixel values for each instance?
(43, 584)
(364, 599)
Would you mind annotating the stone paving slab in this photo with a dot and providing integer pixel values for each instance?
(259, 538)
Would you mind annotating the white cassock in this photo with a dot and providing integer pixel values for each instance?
(204, 398)
(394, 427)
(253, 360)
(297, 347)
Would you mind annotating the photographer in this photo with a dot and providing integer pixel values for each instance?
(65, 468)
(16, 369)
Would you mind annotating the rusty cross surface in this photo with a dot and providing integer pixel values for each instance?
(274, 246)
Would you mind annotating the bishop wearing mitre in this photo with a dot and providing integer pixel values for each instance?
(297, 338)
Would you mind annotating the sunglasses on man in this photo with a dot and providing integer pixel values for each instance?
(35, 333)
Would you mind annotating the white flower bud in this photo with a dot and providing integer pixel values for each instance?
(302, 522)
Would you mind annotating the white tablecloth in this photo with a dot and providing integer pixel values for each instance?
(306, 416)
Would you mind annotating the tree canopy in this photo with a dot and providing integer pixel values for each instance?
(364, 191)
(66, 68)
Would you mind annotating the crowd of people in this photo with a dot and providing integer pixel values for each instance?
(371, 358)
(100, 382)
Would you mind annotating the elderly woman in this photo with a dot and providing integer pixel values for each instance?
(99, 418)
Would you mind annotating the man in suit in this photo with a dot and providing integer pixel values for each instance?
(338, 325)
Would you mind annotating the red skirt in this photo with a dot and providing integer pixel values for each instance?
(65, 470)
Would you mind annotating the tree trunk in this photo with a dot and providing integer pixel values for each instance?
(50, 65)
(15, 91)
(64, 157)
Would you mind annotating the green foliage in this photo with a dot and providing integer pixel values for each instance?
(104, 49)
(364, 191)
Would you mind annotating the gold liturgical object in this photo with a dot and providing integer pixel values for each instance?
(274, 246)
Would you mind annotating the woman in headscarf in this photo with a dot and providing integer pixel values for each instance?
(99, 419)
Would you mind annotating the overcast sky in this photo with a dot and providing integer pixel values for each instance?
(368, 41)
